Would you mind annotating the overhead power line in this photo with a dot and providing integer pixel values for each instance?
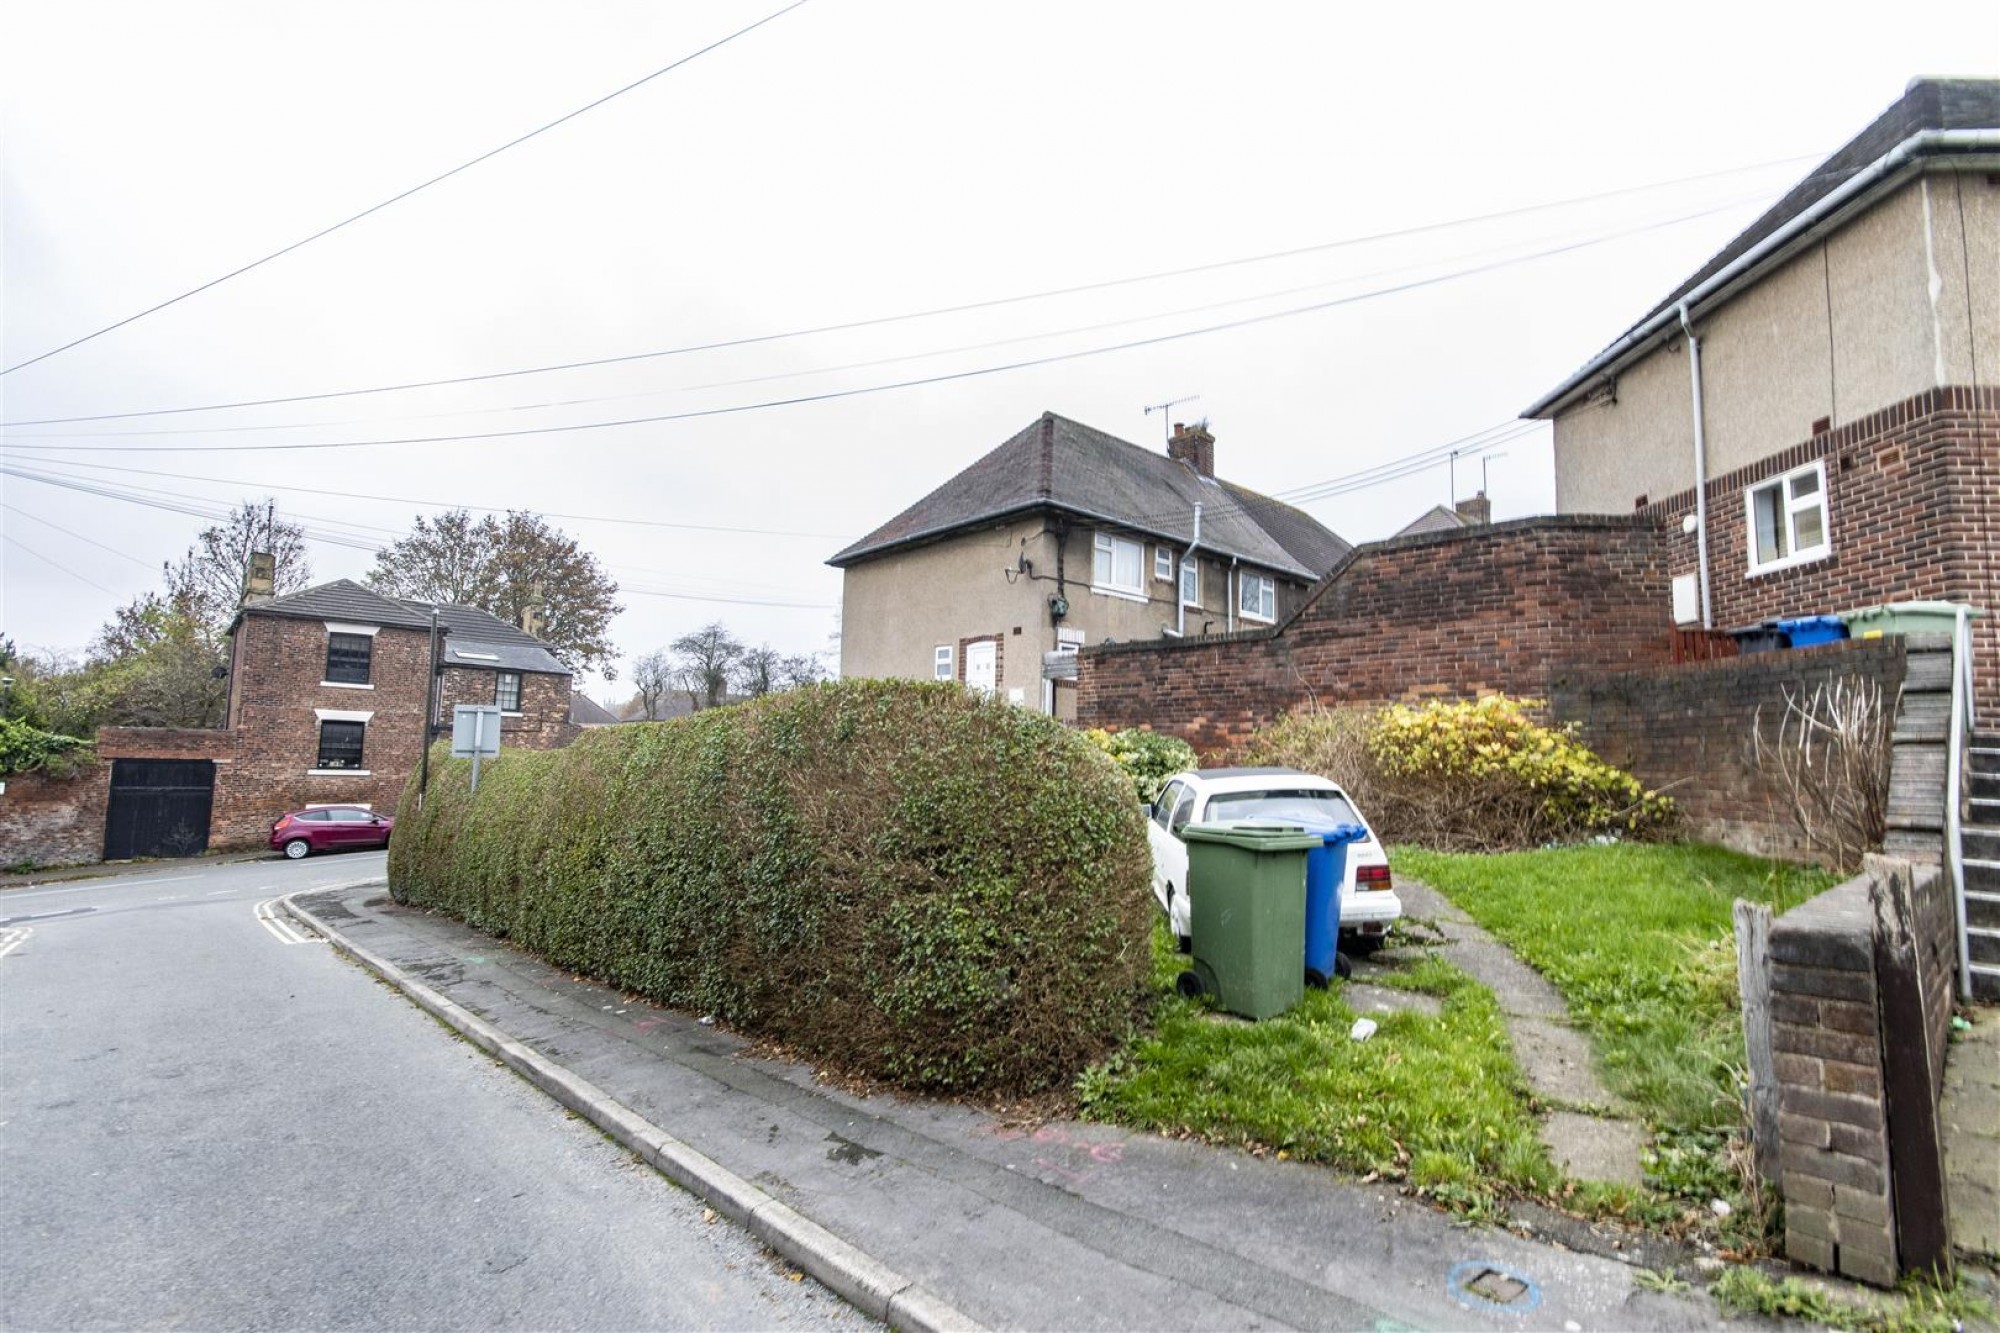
(872, 363)
(445, 504)
(933, 312)
(398, 198)
(88, 541)
(199, 508)
(16, 542)
(922, 381)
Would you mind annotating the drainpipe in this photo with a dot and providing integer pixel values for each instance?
(1700, 467)
(430, 716)
(1180, 602)
(1230, 582)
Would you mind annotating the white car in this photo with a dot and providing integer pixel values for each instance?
(1369, 907)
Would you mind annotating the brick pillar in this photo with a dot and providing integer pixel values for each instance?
(1833, 1122)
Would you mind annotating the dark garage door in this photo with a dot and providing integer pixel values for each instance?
(159, 807)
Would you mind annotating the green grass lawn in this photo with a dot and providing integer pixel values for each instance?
(1640, 941)
(1438, 1101)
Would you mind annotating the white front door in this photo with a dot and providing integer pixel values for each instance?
(981, 666)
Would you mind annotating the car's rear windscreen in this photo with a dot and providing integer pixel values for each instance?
(1310, 807)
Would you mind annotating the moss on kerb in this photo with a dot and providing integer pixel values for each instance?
(899, 879)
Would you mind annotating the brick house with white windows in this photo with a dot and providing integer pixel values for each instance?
(1065, 536)
(327, 706)
(1814, 415)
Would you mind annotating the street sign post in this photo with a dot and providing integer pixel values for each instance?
(475, 734)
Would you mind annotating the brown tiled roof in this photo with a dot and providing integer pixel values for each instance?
(1064, 466)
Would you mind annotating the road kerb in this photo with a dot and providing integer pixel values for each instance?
(866, 1283)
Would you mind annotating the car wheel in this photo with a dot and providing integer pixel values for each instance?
(296, 849)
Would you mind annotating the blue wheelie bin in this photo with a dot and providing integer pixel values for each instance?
(1326, 868)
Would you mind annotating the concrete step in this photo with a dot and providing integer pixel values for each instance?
(1916, 845)
(1983, 944)
(1982, 844)
(1983, 759)
(1984, 786)
(1983, 812)
(1985, 982)
(1982, 908)
(1917, 786)
(1980, 874)
(1926, 672)
(1923, 717)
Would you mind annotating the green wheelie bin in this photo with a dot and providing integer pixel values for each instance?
(1247, 913)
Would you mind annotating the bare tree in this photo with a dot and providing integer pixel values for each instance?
(1828, 756)
(654, 676)
(760, 670)
(705, 658)
(208, 581)
(801, 669)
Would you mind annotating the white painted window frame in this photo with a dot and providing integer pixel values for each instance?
(1190, 570)
(944, 662)
(1107, 544)
(1163, 563)
(1788, 514)
(1267, 587)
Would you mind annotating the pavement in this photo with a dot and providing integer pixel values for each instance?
(210, 1120)
(1588, 1133)
(29, 879)
(1970, 1115)
(939, 1215)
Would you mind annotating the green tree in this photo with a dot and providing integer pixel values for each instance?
(506, 566)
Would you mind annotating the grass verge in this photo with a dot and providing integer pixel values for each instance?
(1917, 1307)
(1437, 1101)
(1639, 940)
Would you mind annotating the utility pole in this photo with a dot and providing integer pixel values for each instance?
(430, 717)
(1166, 425)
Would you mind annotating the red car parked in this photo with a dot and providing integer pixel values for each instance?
(329, 828)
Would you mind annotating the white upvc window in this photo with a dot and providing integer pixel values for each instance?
(1163, 563)
(1786, 519)
(1116, 568)
(1257, 597)
(1190, 583)
(944, 664)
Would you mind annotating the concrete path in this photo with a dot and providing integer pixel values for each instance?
(1586, 1132)
(1971, 1118)
(1011, 1226)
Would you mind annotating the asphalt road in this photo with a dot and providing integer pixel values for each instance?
(205, 1124)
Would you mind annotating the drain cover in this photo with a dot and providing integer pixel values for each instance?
(1483, 1284)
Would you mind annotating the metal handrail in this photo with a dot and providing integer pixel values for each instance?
(1954, 785)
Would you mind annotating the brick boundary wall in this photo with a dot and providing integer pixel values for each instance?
(47, 820)
(1516, 606)
(1913, 495)
(1838, 1172)
(1687, 730)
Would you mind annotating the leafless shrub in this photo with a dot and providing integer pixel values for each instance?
(1827, 756)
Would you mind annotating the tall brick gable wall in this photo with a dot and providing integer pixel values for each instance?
(1516, 606)
(1913, 498)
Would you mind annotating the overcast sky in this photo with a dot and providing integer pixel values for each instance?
(850, 160)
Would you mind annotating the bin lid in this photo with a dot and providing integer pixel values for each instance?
(1797, 623)
(1948, 610)
(1333, 835)
(1254, 835)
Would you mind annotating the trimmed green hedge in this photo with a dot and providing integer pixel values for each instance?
(899, 879)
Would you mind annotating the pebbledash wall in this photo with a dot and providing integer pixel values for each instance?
(1516, 607)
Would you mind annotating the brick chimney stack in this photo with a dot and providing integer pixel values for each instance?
(1476, 511)
(261, 579)
(1193, 445)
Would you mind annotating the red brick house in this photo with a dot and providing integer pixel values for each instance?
(327, 705)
